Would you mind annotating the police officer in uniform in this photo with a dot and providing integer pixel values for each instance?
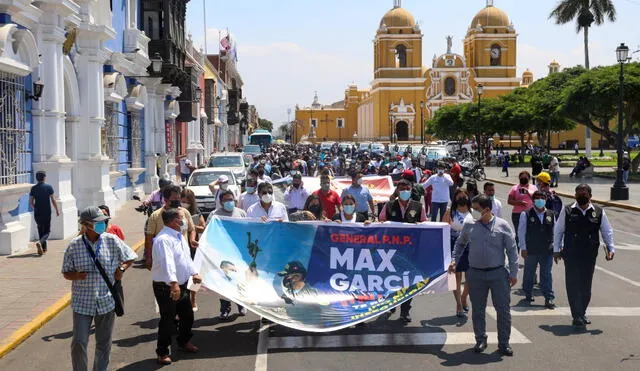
(403, 210)
(536, 247)
(576, 241)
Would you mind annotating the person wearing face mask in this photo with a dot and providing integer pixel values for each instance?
(111, 228)
(488, 240)
(456, 216)
(314, 206)
(329, 198)
(520, 198)
(229, 210)
(218, 186)
(267, 209)
(536, 247)
(440, 195)
(250, 194)
(576, 240)
(262, 177)
(496, 205)
(91, 301)
(348, 213)
(364, 200)
(170, 273)
(403, 210)
(554, 203)
(171, 195)
(296, 195)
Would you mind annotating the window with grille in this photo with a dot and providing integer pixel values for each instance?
(116, 137)
(135, 139)
(314, 123)
(15, 131)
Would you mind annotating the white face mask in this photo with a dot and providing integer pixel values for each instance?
(185, 205)
(477, 215)
(360, 181)
(267, 198)
(224, 186)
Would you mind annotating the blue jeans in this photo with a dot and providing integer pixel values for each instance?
(555, 175)
(546, 281)
(438, 208)
(625, 176)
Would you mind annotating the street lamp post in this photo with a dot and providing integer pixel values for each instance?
(421, 122)
(480, 90)
(620, 191)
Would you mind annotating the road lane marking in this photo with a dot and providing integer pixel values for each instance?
(625, 232)
(627, 246)
(261, 352)
(395, 339)
(566, 311)
(616, 275)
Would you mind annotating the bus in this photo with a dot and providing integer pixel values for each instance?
(261, 138)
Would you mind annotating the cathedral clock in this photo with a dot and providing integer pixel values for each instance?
(495, 55)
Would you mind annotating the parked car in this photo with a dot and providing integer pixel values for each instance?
(454, 147)
(437, 153)
(199, 183)
(326, 146)
(377, 148)
(251, 150)
(364, 147)
(230, 160)
(345, 146)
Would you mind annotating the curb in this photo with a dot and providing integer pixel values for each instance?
(567, 195)
(24, 332)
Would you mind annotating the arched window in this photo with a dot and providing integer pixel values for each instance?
(449, 86)
(401, 56)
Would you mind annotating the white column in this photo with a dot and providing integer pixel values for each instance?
(152, 126)
(94, 186)
(195, 146)
(49, 152)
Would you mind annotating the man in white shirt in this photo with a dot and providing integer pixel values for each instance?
(440, 195)
(554, 169)
(296, 195)
(496, 205)
(217, 187)
(185, 168)
(267, 208)
(172, 267)
(250, 195)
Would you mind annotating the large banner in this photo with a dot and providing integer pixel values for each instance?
(322, 277)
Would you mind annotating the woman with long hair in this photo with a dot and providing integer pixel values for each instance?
(456, 216)
(314, 205)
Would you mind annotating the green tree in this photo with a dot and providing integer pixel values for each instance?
(585, 13)
(265, 124)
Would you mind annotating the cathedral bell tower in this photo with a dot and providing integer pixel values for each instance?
(398, 45)
(490, 50)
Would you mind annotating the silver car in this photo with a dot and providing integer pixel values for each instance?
(230, 160)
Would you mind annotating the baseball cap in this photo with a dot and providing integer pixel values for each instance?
(293, 267)
(92, 214)
(223, 179)
(544, 177)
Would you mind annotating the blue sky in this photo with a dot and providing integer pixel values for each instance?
(288, 49)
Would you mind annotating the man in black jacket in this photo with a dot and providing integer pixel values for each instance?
(403, 210)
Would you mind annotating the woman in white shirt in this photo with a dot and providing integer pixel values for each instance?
(348, 213)
(459, 214)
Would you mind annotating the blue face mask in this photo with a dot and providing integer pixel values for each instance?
(405, 195)
(229, 206)
(100, 227)
(251, 189)
(540, 203)
(349, 209)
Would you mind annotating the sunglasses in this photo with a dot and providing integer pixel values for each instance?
(264, 193)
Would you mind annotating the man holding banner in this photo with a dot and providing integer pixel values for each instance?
(489, 239)
(403, 210)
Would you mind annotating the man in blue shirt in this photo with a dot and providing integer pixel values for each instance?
(363, 197)
(41, 198)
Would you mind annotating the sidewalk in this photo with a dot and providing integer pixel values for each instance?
(566, 185)
(33, 289)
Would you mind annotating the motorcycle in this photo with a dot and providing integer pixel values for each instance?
(473, 169)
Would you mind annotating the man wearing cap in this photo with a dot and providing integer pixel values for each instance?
(364, 200)
(91, 300)
(294, 287)
(554, 203)
(218, 186)
(41, 197)
(171, 271)
(296, 195)
(440, 196)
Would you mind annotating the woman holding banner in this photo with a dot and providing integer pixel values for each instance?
(456, 216)
(314, 206)
(348, 213)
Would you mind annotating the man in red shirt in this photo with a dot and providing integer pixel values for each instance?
(455, 171)
(329, 198)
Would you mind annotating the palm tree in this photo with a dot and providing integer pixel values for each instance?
(585, 12)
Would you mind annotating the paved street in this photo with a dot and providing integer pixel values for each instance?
(542, 339)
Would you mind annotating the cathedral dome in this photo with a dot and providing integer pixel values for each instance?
(490, 16)
(398, 17)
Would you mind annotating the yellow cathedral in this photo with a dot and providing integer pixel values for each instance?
(404, 93)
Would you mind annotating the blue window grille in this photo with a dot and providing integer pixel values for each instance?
(15, 131)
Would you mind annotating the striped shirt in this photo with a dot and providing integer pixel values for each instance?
(91, 296)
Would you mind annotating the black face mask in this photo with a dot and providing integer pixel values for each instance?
(315, 210)
(524, 181)
(582, 200)
(175, 203)
(296, 185)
